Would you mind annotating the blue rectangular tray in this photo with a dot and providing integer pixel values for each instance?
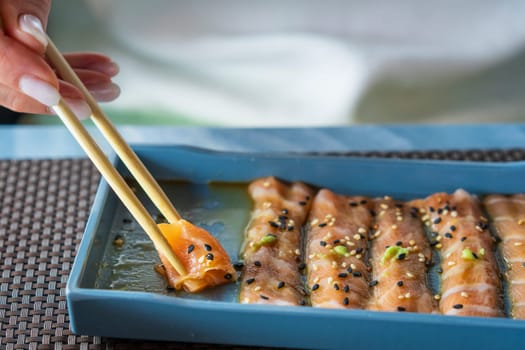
(221, 320)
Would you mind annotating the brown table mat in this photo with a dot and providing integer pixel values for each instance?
(44, 206)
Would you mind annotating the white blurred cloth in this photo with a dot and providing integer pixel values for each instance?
(305, 62)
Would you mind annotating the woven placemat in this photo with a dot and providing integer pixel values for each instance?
(44, 205)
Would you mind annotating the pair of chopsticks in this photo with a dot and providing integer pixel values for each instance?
(126, 154)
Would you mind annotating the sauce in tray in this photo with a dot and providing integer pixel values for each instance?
(130, 258)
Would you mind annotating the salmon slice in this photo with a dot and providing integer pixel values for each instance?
(508, 216)
(336, 250)
(400, 254)
(470, 283)
(272, 245)
(205, 260)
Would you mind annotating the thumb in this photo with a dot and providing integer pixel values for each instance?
(25, 21)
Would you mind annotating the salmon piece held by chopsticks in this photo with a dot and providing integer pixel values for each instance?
(206, 262)
(470, 281)
(336, 250)
(400, 254)
(508, 217)
(272, 244)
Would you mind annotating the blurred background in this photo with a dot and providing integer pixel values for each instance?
(303, 62)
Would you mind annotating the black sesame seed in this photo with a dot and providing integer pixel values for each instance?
(307, 198)
(357, 274)
(264, 297)
(458, 306)
(301, 266)
(282, 217)
(398, 205)
(439, 270)
(284, 211)
(303, 303)
(349, 270)
(238, 265)
(399, 283)
(401, 256)
(431, 209)
(207, 247)
(250, 280)
(439, 211)
(336, 286)
(448, 235)
(373, 283)
(346, 289)
(437, 221)
(302, 203)
(280, 285)
(463, 239)
(126, 221)
(290, 228)
(228, 276)
(322, 243)
(353, 204)
(399, 243)
(342, 275)
(363, 201)
(336, 241)
(209, 256)
(191, 247)
(401, 309)
(452, 228)
(372, 212)
(434, 234)
(257, 263)
(322, 224)
(475, 255)
(523, 264)
(434, 243)
(346, 301)
(315, 287)
(359, 250)
(273, 224)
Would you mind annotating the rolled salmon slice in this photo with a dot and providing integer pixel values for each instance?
(470, 282)
(272, 244)
(508, 218)
(336, 251)
(206, 262)
(400, 255)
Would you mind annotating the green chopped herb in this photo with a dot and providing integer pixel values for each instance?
(481, 251)
(467, 254)
(394, 251)
(268, 239)
(341, 250)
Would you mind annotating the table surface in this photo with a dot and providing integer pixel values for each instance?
(18, 142)
(37, 174)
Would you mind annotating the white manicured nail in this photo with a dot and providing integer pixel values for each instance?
(33, 26)
(39, 90)
(80, 108)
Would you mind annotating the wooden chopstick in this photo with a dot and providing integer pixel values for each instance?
(117, 142)
(110, 174)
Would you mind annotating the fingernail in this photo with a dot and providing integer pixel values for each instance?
(33, 26)
(39, 90)
(110, 68)
(105, 92)
(80, 108)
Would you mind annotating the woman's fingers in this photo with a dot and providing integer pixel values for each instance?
(25, 21)
(92, 61)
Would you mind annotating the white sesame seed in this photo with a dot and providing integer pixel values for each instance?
(266, 183)
(257, 288)
(383, 206)
(408, 295)
(314, 222)
(517, 244)
(357, 237)
(394, 227)
(201, 259)
(437, 297)
(358, 256)
(451, 263)
(464, 294)
(361, 230)
(412, 242)
(353, 266)
(267, 205)
(410, 274)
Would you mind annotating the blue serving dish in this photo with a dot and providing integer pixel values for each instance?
(98, 306)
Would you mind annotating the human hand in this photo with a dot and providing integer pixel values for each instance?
(27, 82)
